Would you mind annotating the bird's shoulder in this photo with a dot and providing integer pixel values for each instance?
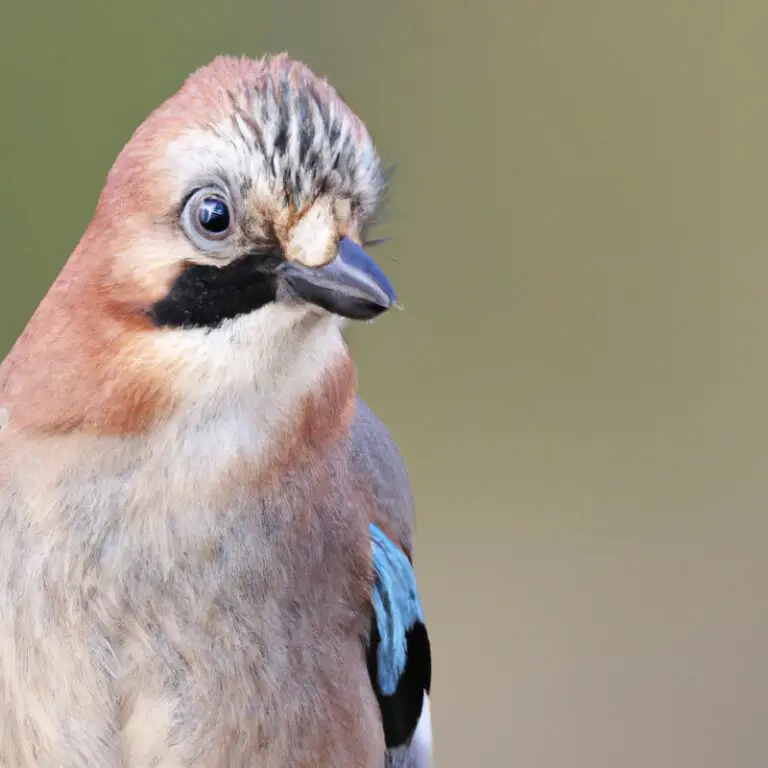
(379, 468)
(399, 657)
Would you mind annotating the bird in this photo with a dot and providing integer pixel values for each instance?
(206, 534)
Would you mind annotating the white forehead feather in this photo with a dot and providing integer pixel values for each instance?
(289, 136)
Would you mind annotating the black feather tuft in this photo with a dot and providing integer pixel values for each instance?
(401, 711)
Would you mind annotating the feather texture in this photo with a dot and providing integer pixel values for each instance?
(396, 607)
(189, 499)
(399, 653)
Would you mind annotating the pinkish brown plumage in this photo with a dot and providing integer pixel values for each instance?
(187, 476)
(125, 262)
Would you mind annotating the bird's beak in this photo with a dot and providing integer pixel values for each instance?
(351, 285)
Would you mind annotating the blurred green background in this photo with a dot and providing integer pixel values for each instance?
(579, 380)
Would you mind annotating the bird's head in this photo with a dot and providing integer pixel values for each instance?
(251, 187)
(228, 241)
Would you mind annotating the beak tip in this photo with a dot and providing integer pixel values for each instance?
(391, 298)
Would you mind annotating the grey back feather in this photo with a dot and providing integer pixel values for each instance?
(379, 464)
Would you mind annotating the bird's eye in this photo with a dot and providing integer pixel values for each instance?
(207, 219)
(213, 216)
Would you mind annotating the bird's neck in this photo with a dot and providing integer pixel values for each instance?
(280, 376)
(272, 388)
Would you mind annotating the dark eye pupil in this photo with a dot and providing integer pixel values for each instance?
(213, 215)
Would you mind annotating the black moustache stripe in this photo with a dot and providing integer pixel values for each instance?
(203, 296)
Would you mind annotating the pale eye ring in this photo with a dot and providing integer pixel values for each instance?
(207, 219)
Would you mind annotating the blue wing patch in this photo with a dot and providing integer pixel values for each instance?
(396, 607)
(399, 655)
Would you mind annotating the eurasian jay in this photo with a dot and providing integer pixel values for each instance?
(205, 535)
